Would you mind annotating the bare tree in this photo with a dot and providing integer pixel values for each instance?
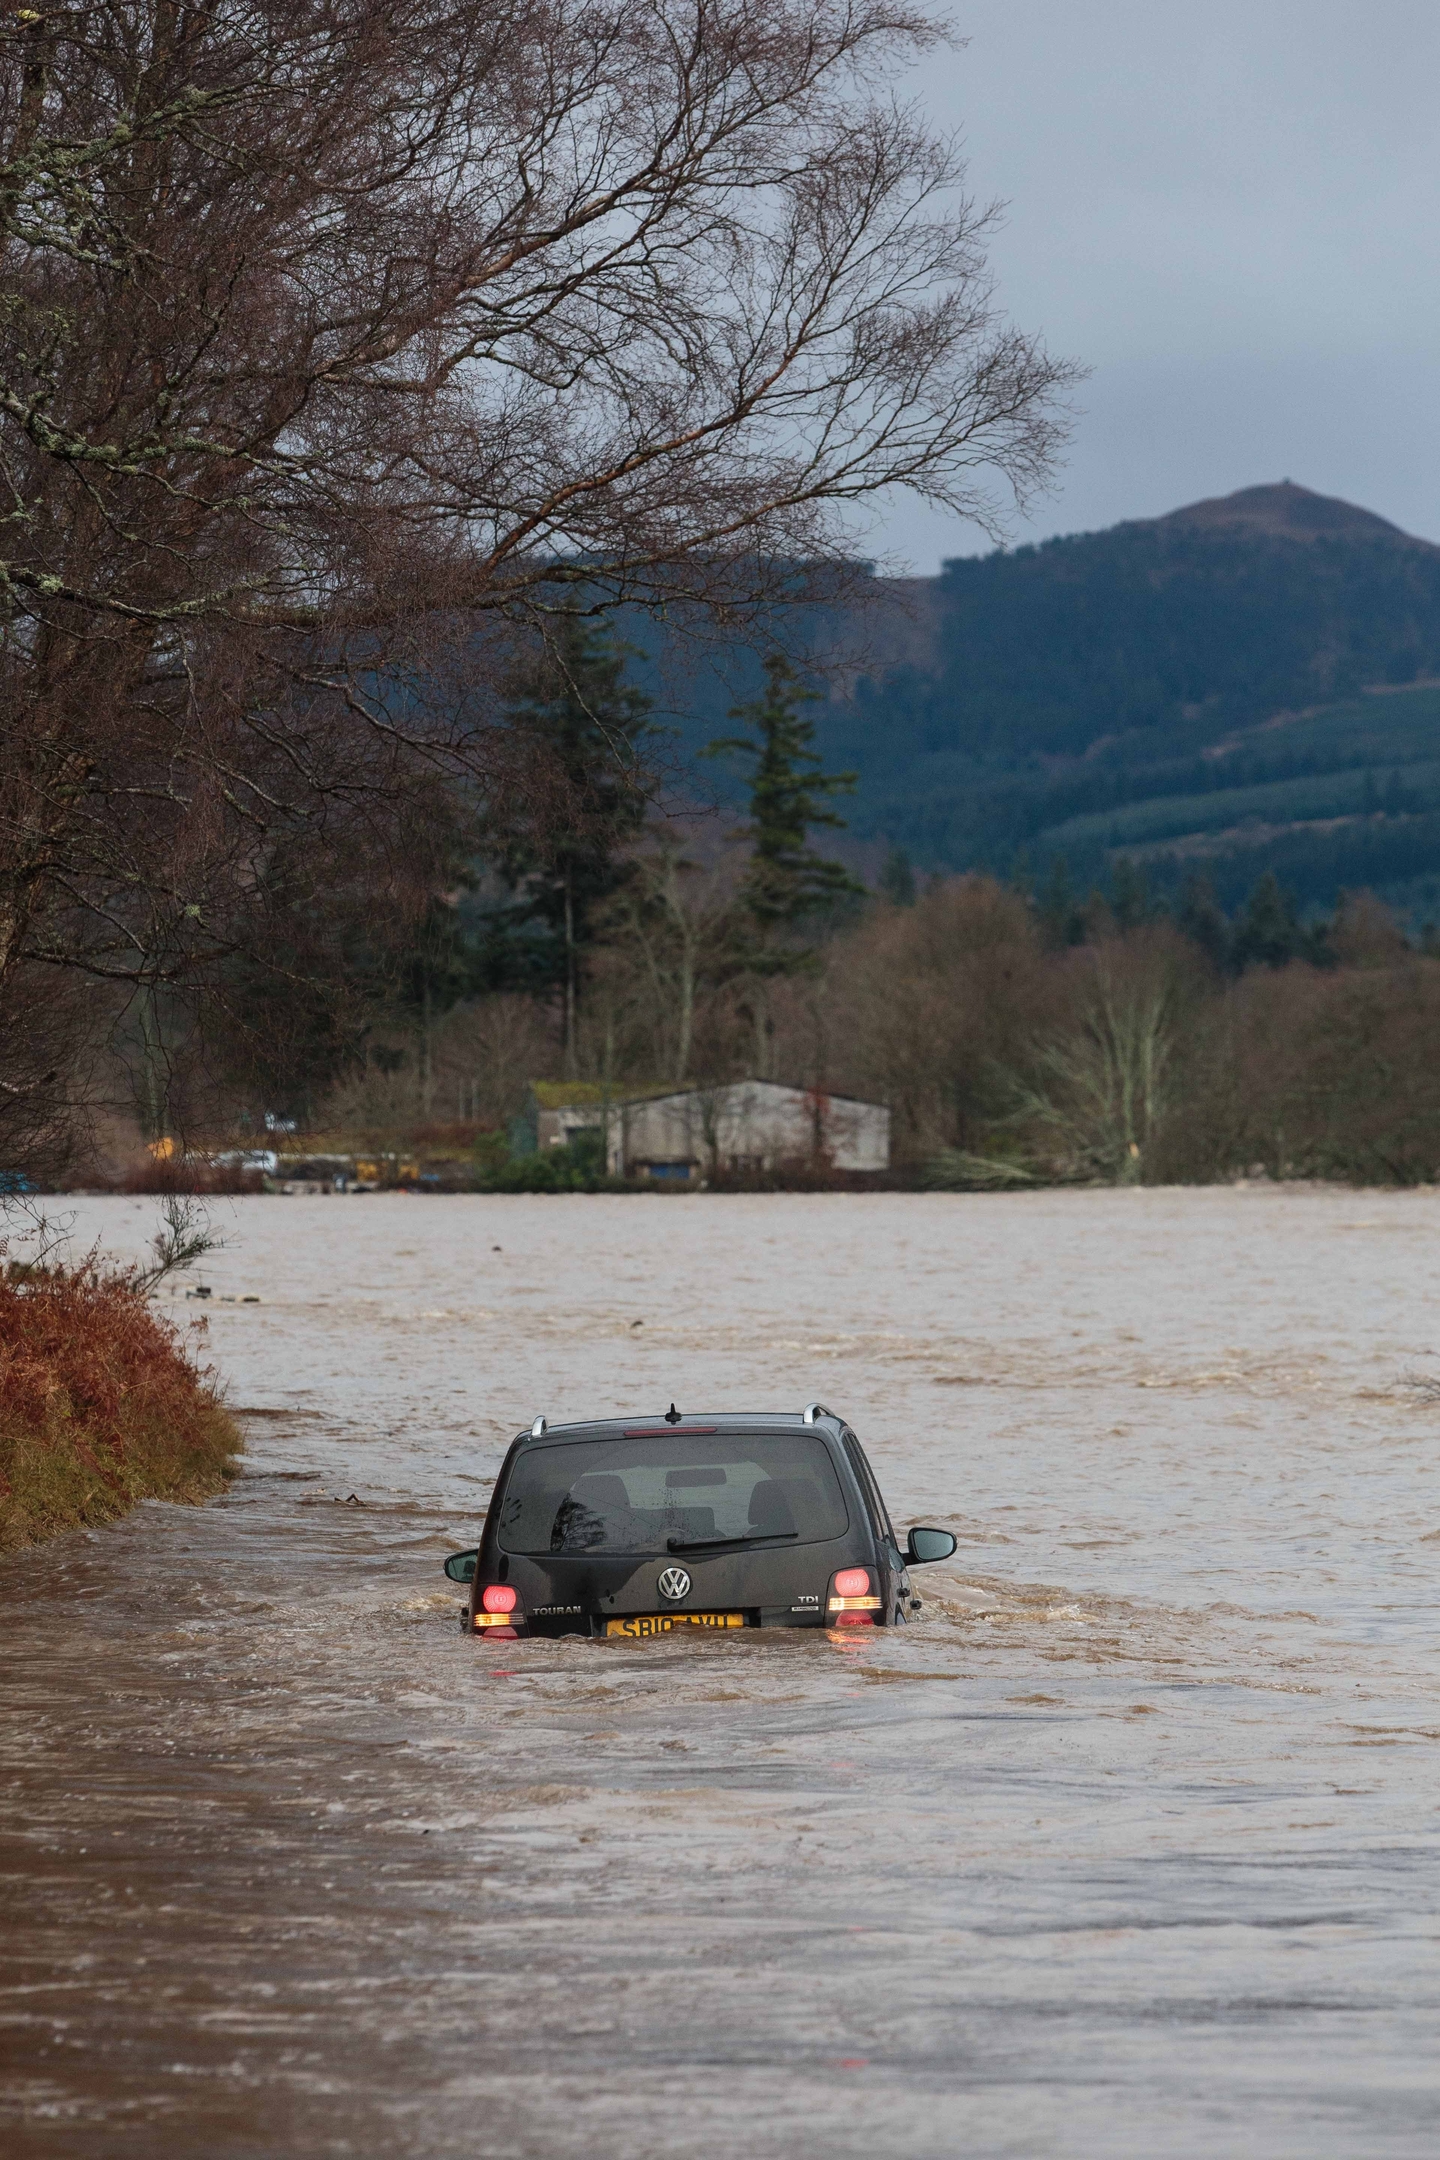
(474, 285)
(927, 1002)
(184, 1236)
(677, 925)
(47, 1081)
(1098, 1097)
(490, 1051)
(342, 344)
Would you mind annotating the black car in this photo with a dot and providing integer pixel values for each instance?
(635, 1527)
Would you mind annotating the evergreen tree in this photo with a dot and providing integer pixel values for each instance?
(897, 879)
(1062, 919)
(787, 882)
(1129, 894)
(1270, 932)
(435, 972)
(1202, 918)
(789, 888)
(590, 731)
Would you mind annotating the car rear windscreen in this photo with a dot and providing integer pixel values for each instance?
(636, 1496)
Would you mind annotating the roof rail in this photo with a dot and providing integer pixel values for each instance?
(813, 1410)
(539, 1428)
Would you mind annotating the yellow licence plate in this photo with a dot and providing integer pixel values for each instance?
(663, 1623)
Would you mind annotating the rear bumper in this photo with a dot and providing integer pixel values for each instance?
(594, 1625)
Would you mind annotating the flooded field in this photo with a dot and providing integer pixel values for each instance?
(1129, 1847)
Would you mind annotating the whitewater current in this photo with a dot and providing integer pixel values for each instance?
(1128, 1846)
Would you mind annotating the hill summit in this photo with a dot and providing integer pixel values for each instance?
(1280, 511)
(1247, 684)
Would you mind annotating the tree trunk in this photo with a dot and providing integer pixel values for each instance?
(686, 1030)
(569, 978)
(154, 1106)
(764, 1032)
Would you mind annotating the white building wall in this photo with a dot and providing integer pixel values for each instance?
(750, 1124)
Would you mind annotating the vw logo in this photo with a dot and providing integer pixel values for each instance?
(674, 1583)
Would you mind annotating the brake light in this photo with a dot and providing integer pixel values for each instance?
(852, 1601)
(497, 1613)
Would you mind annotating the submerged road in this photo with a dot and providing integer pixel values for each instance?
(1129, 1847)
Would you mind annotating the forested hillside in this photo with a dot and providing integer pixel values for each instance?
(1237, 687)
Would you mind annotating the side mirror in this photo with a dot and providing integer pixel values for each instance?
(922, 1545)
(461, 1566)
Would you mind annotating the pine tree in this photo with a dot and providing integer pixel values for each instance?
(1061, 918)
(787, 882)
(1202, 918)
(897, 879)
(1270, 932)
(1129, 894)
(789, 888)
(590, 729)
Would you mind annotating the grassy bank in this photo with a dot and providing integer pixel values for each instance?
(100, 1406)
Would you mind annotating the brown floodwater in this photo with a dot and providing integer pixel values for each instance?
(1130, 1846)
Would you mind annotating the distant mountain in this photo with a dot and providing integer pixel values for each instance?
(1282, 511)
(1242, 684)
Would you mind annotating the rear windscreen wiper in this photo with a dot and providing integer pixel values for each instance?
(711, 1544)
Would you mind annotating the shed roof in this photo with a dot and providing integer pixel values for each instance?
(591, 1094)
(588, 1094)
(730, 1087)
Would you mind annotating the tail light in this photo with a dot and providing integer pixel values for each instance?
(496, 1614)
(852, 1601)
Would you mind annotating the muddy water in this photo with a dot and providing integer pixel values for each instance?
(1130, 1846)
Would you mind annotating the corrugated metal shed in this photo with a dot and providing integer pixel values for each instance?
(693, 1132)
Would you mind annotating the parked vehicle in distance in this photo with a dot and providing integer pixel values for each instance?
(636, 1527)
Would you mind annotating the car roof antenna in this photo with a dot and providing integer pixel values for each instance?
(672, 1415)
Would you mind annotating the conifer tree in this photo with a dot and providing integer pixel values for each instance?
(1270, 933)
(587, 730)
(789, 888)
(1203, 919)
(1061, 917)
(788, 882)
(897, 878)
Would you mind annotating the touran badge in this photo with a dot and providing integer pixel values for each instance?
(674, 1583)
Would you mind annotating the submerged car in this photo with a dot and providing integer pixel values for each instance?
(636, 1527)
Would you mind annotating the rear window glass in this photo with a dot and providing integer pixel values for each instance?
(635, 1496)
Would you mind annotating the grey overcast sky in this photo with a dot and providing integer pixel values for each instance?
(1231, 214)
